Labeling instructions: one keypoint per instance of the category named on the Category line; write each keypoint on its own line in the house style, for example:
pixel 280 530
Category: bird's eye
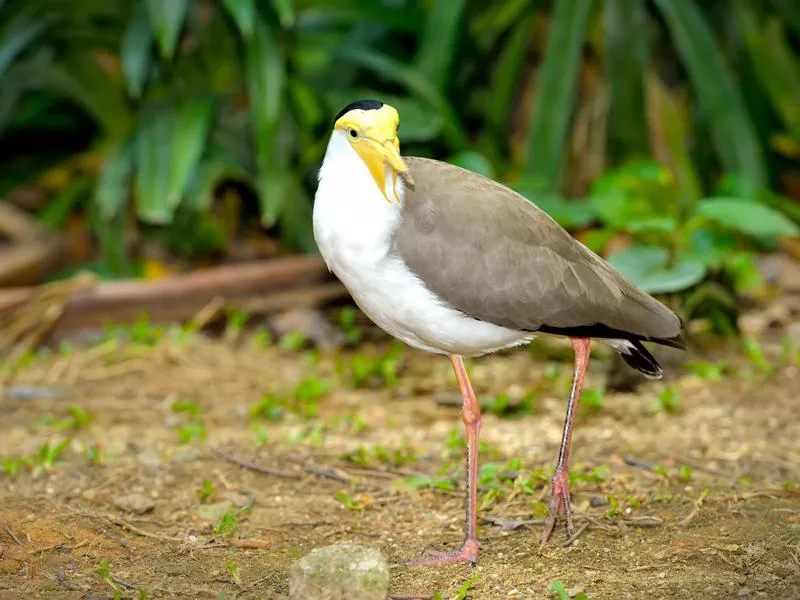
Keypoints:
pixel 353 133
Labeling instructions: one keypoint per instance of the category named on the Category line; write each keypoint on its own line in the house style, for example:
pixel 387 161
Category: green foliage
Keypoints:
pixel 176 101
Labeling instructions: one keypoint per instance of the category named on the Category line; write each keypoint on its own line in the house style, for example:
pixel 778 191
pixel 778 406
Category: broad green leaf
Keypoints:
pixel 473 161
pixel 136 46
pixel 243 13
pixel 112 189
pixel 191 125
pixel 663 224
pixel 626 55
pixel 285 10
pixel 720 99
pixel 265 84
pixel 647 268
pixel 439 42
pixel 153 174
pixel 402 17
pixel 554 98
pixel 210 171
pixel 747 216
pixel 167 18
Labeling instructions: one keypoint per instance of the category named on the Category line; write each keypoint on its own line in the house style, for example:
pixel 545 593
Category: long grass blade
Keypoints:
pixel 136 46
pixel 439 42
pixel 167 18
pixel 153 158
pixel 626 56
pixel 265 82
pixel 285 10
pixel 774 64
pixel 731 128
pixel 555 92
pixel 790 11
pixel 191 125
pixel 112 191
pixel 243 13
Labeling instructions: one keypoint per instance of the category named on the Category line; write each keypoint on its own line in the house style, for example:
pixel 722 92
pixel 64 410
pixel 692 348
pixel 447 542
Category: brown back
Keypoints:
pixel 495 256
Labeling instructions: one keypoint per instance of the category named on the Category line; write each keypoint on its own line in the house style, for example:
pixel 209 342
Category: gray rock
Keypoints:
pixel 134 503
pixel 343 571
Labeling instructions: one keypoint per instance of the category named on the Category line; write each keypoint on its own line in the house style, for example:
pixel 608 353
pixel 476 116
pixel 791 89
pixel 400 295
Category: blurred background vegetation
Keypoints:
pixel 665 134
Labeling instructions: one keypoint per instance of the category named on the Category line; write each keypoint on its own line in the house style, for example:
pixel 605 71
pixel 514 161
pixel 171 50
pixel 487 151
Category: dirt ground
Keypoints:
pixel 702 501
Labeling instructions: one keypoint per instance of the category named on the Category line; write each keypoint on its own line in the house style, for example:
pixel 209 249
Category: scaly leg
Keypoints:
pixel 472 421
pixel 560 497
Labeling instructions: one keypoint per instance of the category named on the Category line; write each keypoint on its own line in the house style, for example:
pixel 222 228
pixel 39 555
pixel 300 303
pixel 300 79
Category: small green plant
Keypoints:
pixel 351 503
pixel 227 525
pixel 193 430
pixel 754 351
pixel 269 407
pixel 314 435
pixel 294 340
pixel 260 434
pixel 104 571
pixel 685 473
pixel 143 593
pixel 94 453
pixel 503 405
pixel 462 592
pixel 206 491
pixel 707 370
pixel 347 323
pixel 262 338
pixel 362 371
pixel 594 399
pixel 233 570
pixel 669 401
pixel 432 482
pixel 614 508
pixel 236 322
pixel 561 593
pixel 77 418
pixel 187 407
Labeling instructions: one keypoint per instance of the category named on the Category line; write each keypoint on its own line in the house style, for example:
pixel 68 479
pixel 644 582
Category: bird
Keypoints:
pixel 457 264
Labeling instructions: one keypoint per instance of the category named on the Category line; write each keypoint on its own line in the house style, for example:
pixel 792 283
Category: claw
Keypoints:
pixel 559 501
pixel 467 554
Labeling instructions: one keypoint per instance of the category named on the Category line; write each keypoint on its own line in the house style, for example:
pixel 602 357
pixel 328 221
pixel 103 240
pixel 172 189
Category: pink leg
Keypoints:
pixel 472 421
pixel 560 497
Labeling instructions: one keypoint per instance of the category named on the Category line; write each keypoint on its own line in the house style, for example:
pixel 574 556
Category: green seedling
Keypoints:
pixel 363 371
pixel 193 430
pixel 351 503
pixel 47 456
pixel 269 407
pixel 503 405
pixel 561 592
pixel 315 436
pixel 351 423
pixel 260 434
pixel 594 399
pixel 614 508
pixel 77 418
pixel 233 569
pixel 707 370
pixel 237 320
pixel 754 351
pixel 206 491
pixel 294 340
pixel 261 339
pixel 186 406
pixel 685 473
pixel 669 401
pixel 94 453
pixel 435 482
pixel 104 571
pixel 462 592
pixel 143 593
pixel 227 525
pixel 347 323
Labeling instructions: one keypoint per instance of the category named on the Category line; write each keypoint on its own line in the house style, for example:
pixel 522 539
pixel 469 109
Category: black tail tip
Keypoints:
pixel 639 358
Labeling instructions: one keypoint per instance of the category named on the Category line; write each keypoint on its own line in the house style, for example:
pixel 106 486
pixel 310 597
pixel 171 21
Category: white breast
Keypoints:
pixel 353 226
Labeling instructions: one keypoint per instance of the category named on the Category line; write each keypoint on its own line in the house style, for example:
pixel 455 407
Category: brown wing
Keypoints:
pixel 495 256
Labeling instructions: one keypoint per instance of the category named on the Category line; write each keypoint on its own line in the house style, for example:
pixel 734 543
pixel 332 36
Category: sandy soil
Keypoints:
pixel 700 503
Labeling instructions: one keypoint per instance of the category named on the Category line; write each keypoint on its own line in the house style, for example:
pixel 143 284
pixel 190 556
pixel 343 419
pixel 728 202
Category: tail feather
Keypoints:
pixel 638 357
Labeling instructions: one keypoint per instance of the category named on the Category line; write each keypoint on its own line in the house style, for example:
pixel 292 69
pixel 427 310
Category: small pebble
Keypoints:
pixel 344 571
pixel 134 503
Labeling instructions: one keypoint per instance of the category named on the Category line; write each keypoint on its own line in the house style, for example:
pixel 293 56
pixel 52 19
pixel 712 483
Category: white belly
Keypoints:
pixel 353 226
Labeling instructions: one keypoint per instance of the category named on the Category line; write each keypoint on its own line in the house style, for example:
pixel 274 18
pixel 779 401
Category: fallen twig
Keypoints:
pixel 574 537
pixel 12 534
pixel 253 466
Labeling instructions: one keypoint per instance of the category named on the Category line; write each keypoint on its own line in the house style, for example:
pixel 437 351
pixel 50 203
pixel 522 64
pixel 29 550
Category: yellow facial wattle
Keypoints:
pixel 373 135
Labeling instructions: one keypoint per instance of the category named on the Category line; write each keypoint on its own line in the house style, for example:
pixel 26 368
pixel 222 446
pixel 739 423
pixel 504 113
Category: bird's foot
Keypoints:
pixel 468 554
pixel 559 501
